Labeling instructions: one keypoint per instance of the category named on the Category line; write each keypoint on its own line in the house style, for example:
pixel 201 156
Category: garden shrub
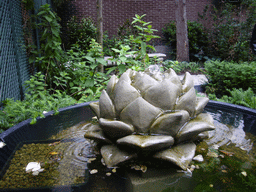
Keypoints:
pixel 198 41
pixel 224 76
pixel 80 32
pixel 229 34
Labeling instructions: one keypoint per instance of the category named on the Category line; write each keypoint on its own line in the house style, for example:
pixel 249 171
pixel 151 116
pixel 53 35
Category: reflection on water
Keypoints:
pixel 229 129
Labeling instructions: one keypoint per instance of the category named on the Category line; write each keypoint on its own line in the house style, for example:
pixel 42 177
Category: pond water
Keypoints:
pixel 70 160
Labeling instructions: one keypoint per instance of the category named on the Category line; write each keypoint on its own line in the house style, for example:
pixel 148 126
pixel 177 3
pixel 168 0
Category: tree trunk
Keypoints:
pixel 100 29
pixel 181 31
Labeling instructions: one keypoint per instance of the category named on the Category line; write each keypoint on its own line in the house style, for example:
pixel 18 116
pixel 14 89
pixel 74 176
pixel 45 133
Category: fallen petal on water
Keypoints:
pixel 198 158
pixel 90 160
pixel 215 146
pixel 93 171
pixel 244 173
pixel 212 154
pixel 2 144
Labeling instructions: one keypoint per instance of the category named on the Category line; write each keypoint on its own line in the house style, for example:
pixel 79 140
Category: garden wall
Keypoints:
pixel 116 12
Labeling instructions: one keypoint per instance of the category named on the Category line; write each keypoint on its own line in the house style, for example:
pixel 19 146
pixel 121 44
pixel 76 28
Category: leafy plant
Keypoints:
pixel 182 67
pixel 48 56
pixel 238 97
pixel 123 59
pixel 80 71
pixel 145 35
pixel 37 101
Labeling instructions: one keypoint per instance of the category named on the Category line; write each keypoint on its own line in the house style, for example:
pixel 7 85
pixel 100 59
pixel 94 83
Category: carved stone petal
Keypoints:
pixel 188 82
pixel 181 155
pixel 94 132
pixel 115 129
pixel 112 155
pixel 95 108
pixel 125 77
pixel 143 82
pixel 203 122
pixel 202 136
pixel 146 142
pixel 187 102
pixel 201 102
pixel 111 86
pixel 141 114
pixel 173 77
pixel 170 124
pixel 124 95
pixel 107 109
pixel 163 95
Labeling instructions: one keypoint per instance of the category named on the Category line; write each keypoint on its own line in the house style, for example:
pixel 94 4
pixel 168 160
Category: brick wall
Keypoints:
pixel 115 12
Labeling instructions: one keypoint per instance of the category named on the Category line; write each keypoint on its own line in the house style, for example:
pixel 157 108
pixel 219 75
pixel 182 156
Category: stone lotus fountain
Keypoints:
pixel 150 113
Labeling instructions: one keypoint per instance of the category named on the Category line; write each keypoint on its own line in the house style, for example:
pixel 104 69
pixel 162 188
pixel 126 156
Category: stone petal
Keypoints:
pixel 107 109
pixel 112 155
pixel 95 108
pixel 146 142
pixel 202 123
pixel 124 95
pixel 143 82
pixel 111 86
pixel 188 82
pixel 170 124
pixel 181 155
pixel 115 129
pixel 125 77
pixel 202 136
pixel 201 102
pixel 163 95
pixel 141 114
pixel 94 132
pixel 187 102
pixel 173 77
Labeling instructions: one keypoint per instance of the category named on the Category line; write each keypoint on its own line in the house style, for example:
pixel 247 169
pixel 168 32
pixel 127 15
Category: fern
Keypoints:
pixel 238 97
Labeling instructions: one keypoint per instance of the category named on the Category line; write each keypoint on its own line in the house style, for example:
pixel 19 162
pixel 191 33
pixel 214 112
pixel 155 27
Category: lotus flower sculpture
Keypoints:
pixel 150 112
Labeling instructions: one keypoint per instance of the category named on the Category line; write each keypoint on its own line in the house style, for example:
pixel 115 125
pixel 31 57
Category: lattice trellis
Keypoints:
pixel 13 61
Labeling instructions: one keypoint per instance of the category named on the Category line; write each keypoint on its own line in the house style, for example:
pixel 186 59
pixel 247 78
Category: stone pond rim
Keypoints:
pixel 72 115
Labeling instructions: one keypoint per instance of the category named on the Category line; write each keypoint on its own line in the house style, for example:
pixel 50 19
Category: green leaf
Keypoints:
pixel 111 69
pixel 41 12
pixel 101 61
pixel 55 31
pixel 48 18
pixel 33 121
pixel 121 68
pixel 143 48
pixel 89 82
pixel 91 59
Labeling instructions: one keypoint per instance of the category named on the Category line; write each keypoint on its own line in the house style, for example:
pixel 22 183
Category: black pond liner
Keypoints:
pixel 24 132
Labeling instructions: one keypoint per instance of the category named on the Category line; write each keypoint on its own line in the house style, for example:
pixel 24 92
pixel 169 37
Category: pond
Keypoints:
pixel 71 162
